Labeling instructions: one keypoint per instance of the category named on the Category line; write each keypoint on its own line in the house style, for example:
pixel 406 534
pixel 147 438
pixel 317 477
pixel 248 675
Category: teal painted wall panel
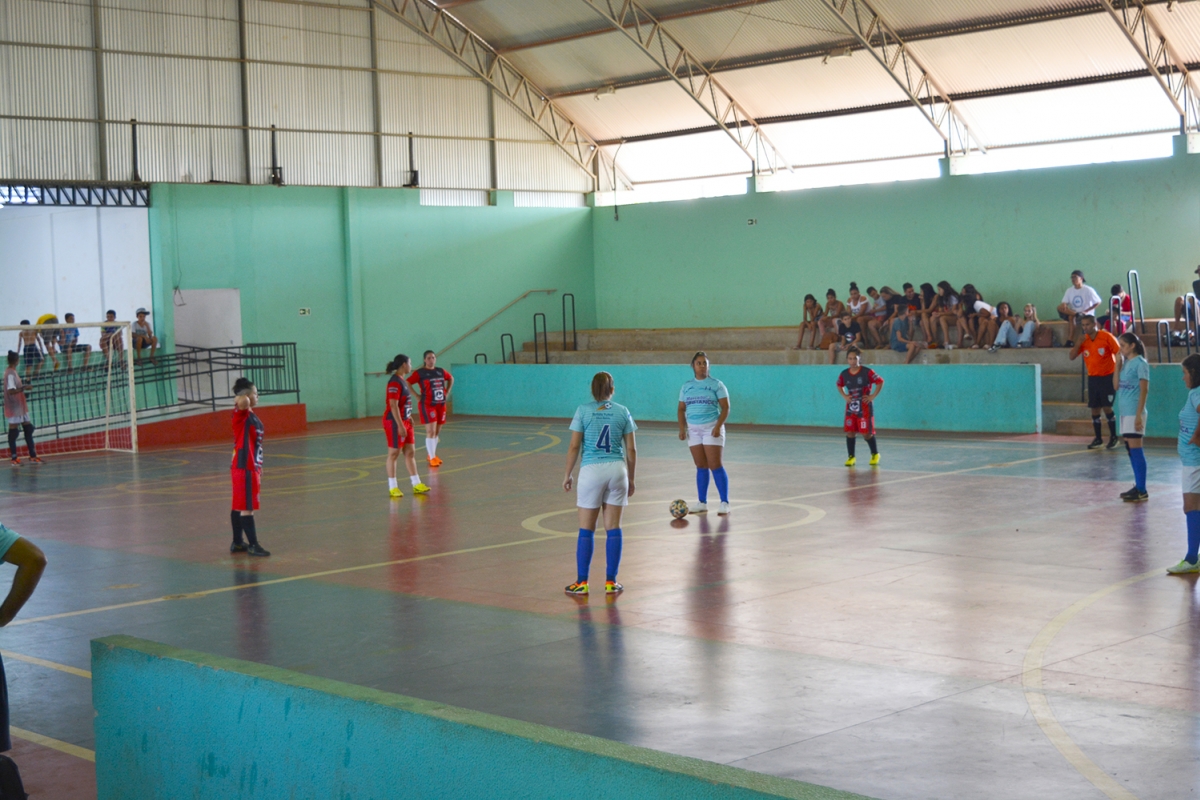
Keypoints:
pixel 948 397
pixel 1167 396
pixel 1015 235
pixel 381 273
pixel 173 723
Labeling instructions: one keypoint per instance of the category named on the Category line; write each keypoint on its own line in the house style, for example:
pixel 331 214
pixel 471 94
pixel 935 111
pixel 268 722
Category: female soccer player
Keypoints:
pixel 703 409
pixel 16 411
pixel 1132 384
pixel 397 426
pixel 246 469
pixel 433 385
pixel 859 386
pixel 603 430
pixel 1189 453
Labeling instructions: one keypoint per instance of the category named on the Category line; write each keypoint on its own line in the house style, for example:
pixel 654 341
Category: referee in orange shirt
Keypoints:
pixel 1099 349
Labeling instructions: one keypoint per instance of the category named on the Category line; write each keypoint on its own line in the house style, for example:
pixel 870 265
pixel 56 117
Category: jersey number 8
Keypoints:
pixel 604 440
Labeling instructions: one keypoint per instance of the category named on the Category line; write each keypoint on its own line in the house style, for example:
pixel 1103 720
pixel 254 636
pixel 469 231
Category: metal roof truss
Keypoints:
pixel 81 194
pixel 686 70
pixel 1161 58
pixel 918 83
pixel 470 50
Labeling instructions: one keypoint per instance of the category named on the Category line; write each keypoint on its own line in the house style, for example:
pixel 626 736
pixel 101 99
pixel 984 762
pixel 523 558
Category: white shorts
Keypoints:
pixel 606 483
pixel 1191 480
pixel 1128 427
pixel 702 434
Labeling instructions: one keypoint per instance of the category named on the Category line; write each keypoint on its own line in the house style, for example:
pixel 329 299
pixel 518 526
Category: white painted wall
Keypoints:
pixel 73 260
pixel 208 317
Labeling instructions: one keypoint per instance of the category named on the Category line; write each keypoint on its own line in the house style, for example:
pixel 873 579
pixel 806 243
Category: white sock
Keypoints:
pixel 431 445
pixel 391 483
pixel 415 479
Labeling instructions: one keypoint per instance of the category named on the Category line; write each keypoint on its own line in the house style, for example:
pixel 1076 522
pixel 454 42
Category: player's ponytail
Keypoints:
pixel 1132 338
pixel 396 362
pixel 602 386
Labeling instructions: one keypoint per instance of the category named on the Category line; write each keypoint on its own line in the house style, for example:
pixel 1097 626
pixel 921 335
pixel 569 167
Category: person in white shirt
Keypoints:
pixel 1079 301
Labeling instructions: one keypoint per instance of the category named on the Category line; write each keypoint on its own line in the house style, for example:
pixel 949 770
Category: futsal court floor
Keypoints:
pixel 976 618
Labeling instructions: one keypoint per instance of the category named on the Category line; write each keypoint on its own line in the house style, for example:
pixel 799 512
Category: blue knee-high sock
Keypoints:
pixel 722 481
pixel 583 554
pixel 612 550
pixel 1137 457
pixel 1193 525
pixel 702 485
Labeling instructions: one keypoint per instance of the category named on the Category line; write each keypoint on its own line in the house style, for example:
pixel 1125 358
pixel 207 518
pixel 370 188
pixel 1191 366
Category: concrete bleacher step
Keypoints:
pixel 1059 387
pixel 1056 415
pixel 1074 427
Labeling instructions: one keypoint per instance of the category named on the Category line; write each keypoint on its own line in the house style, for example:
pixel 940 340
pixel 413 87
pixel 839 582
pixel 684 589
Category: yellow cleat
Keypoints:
pixel 420 488
pixel 875 460
pixel 395 493
pixel 850 462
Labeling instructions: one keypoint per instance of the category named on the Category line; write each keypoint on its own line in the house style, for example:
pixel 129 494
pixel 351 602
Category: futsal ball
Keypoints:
pixel 679 509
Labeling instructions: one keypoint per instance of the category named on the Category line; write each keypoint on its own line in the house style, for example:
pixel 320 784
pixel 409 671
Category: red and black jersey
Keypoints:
pixel 247 440
pixel 398 391
pixel 435 383
pixel 858 386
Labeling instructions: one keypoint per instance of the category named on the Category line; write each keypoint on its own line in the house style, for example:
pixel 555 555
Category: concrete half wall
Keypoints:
pixel 995 398
pixel 174 723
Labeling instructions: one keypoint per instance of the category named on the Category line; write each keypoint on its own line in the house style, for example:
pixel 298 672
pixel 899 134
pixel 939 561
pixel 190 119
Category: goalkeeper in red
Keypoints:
pixel 433 385
pixel 246 470
pixel 859 386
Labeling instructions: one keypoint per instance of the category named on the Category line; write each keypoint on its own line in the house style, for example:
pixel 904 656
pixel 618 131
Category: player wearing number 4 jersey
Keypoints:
pixel 433 385
pixel 859 386
pixel 603 432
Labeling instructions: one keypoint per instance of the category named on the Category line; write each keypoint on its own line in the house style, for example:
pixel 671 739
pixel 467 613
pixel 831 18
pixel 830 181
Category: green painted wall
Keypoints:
pixel 1015 235
pixel 381 273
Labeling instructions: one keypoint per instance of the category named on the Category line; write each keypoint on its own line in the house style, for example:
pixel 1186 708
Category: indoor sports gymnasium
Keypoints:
pixel 698 399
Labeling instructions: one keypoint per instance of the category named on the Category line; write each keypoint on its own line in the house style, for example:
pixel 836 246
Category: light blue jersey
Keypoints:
pixel 1189 453
pixel 700 398
pixel 603 425
pixel 7 539
pixel 1129 391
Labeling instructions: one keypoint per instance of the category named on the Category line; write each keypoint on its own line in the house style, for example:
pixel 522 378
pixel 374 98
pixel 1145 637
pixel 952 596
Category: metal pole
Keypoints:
pixel 137 178
pixel 276 171
pixel 133 436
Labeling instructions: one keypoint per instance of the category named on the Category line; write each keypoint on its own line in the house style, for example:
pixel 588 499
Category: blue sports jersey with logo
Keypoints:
pixel 1189 453
pixel 1136 370
pixel 700 400
pixel 603 425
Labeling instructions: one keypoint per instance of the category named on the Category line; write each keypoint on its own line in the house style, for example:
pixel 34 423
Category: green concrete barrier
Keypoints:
pixel 1167 395
pixel 174 723
pixel 993 398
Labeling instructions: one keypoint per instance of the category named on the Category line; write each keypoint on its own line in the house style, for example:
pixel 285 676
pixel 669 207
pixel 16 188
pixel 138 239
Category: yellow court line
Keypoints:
pixel 41 662
pixel 54 744
pixel 1039 704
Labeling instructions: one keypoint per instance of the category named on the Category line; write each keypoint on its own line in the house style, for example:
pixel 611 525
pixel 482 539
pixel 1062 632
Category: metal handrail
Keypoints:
pixel 512 348
pixel 447 348
pixel 1163 331
pixel 545 339
pixel 477 355
pixel 1114 315
pixel 1134 282
pixel 574 334
pixel 1082 381
pixel 1190 321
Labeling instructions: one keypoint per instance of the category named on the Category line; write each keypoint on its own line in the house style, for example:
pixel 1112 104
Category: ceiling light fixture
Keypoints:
pixel 837 52
pixel 605 91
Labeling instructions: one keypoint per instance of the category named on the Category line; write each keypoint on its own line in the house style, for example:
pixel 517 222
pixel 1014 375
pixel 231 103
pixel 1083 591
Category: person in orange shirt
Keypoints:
pixel 1099 349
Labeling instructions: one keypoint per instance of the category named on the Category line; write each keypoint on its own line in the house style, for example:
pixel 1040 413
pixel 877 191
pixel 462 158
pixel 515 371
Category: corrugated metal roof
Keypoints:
pixel 1181 24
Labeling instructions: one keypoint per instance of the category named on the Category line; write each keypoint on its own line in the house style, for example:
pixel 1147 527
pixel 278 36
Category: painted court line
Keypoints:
pixel 54 744
pixel 41 662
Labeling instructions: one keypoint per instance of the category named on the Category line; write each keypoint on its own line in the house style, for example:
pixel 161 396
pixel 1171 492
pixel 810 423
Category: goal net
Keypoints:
pixel 79 384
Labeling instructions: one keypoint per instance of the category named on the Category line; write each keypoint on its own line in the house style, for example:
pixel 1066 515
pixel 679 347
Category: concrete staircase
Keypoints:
pixel 1063 410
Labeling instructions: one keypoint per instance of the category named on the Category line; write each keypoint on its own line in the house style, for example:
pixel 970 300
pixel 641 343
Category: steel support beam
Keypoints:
pixel 1161 58
pixel 918 83
pixel 33 193
pixel 469 49
pixel 644 30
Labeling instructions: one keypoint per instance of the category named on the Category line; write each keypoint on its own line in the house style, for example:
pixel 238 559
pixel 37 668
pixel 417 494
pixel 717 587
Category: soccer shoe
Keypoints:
pixel 1097 442
pixel 238 547
pixel 15 461
pixel 851 461
pixel 612 587
pixel 723 509
pixel 420 488
pixel 874 462
pixel 1130 495
pixel 395 492
pixel 699 508
pixel 35 460
pixel 579 587
pixel 435 462
pixel 1183 568
pixel 257 550
pixel 1139 497
pixel 1113 441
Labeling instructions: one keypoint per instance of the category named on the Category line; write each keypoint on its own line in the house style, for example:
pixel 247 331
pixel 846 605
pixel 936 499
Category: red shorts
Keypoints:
pixel 432 414
pixel 246 483
pixel 398 434
pixel 863 422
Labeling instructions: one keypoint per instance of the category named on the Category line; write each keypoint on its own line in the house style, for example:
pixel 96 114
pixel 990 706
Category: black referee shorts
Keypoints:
pixel 1100 391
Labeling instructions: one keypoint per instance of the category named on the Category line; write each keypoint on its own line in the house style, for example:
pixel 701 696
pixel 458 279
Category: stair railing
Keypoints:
pixel 1163 333
pixel 574 334
pixel 1190 321
pixel 1135 294
pixel 545 341
pixel 445 349
pixel 512 348
pixel 477 355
